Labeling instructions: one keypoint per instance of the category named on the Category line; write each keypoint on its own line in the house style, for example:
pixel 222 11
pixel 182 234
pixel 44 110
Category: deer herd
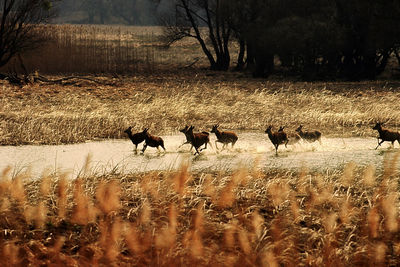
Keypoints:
pixel 280 137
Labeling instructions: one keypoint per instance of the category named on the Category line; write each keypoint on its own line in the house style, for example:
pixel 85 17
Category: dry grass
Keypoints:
pixel 107 49
pixel 55 114
pixel 247 218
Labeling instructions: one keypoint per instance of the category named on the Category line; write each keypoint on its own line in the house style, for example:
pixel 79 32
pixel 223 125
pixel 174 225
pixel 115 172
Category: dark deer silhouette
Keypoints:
pixel 136 138
pixel 386 135
pixel 224 137
pixel 187 135
pixel 309 136
pixel 277 138
pixel 185 132
pixel 198 139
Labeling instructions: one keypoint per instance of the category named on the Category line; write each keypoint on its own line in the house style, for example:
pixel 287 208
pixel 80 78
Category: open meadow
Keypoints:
pixel 246 215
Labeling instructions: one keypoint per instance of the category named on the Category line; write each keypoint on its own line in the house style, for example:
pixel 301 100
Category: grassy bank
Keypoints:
pixel 55 114
pixel 244 218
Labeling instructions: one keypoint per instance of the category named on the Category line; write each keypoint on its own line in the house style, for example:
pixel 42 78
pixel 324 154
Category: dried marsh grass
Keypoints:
pixel 89 49
pixel 54 114
pixel 339 218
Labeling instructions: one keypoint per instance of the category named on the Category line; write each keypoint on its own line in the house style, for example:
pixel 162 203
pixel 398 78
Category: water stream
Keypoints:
pixel 251 149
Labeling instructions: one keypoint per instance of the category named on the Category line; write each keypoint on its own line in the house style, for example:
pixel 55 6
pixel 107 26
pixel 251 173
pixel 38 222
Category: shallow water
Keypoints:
pixel 252 149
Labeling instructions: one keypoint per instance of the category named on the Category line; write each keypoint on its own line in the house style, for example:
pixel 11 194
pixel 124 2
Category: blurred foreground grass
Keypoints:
pixel 179 218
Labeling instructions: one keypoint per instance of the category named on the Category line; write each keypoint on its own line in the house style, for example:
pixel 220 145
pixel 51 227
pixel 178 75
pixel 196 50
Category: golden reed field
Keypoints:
pixel 245 217
pixel 164 102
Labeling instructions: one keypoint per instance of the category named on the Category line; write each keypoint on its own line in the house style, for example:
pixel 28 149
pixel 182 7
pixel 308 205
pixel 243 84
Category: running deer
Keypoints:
pixel 136 138
pixel 293 137
pixel 198 139
pixel 152 141
pixel 186 133
pixel 386 135
pixel 224 137
pixel 311 136
pixel 277 138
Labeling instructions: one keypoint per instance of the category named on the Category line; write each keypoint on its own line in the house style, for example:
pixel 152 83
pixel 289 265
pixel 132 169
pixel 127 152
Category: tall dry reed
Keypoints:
pixel 99 49
pixel 56 114
pixel 343 217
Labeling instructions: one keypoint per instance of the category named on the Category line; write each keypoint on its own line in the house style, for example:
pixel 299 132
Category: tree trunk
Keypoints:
pixel 198 35
pixel 250 60
pixel 240 61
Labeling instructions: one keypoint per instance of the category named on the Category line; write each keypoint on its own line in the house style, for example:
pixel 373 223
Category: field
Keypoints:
pixel 55 114
pixel 245 217
pixel 110 49
pixel 248 217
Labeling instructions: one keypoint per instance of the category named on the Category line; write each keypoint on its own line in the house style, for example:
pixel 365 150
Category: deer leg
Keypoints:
pixel 197 151
pixel 205 146
pixel 233 143
pixel 144 147
pixel 216 144
pixel 379 143
pixel 135 150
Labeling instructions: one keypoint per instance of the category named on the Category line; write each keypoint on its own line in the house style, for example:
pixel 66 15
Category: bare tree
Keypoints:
pixel 191 16
pixel 19 26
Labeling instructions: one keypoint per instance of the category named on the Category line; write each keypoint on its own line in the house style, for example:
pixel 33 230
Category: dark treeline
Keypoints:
pixel 351 39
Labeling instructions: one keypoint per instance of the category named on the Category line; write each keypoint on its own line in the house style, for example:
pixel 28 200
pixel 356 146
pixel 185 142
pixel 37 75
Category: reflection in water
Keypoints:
pixel 250 150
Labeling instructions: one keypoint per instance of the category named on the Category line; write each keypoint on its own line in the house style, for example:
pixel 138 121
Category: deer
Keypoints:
pixel 386 135
pixel 152 141
pixel 277 138
pixel 198 139
pixel 224 137
pixel 136 138
pixel 293 137
pixel 185 132
pixel 311 136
